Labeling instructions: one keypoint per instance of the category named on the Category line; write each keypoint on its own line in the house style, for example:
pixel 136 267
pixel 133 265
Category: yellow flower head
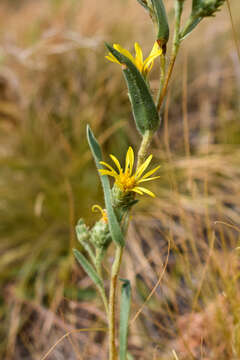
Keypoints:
pixel 144 66
pixel 126 180
pixel 96 208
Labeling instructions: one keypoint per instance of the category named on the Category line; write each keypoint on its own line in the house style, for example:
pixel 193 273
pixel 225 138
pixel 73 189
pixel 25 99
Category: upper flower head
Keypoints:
pixel 126 180
pixel 144 66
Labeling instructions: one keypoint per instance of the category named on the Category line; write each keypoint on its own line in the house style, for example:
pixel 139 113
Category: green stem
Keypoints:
pixel 175 48
pixel 98 264
pixel 112 302
pixel 142 152
pixel 98 261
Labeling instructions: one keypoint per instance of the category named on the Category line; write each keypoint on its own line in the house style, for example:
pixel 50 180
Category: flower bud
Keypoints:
pixel 100 235
pixel 205 8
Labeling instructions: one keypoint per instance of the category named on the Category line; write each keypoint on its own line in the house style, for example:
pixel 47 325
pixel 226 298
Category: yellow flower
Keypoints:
pixel 144 66
pixel 96 208
pixel 126 180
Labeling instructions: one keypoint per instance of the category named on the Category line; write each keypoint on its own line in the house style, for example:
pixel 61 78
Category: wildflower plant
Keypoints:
pixel 129 179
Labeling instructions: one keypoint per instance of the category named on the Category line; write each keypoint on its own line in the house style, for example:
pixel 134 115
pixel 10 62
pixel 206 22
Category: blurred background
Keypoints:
pixel 54 80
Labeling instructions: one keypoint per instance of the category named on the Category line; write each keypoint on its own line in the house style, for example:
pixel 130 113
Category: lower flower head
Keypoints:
pixel 125 179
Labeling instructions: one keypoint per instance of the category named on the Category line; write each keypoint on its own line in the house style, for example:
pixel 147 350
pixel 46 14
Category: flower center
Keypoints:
pixel 126 182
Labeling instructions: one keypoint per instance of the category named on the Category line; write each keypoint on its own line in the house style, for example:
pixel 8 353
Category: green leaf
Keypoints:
pixel 124 318
pixel 88 268
pixel 162 22
pixel 144 110
pixel 114 227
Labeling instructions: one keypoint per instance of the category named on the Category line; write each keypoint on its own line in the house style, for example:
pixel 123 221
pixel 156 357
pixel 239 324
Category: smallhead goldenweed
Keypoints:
pixel 119 198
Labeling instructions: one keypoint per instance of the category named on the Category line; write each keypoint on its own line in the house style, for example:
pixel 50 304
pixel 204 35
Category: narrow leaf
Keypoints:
pixel 114 226
pixel 88 268
pixel 190 27
pixel 144 110
pixel 124 318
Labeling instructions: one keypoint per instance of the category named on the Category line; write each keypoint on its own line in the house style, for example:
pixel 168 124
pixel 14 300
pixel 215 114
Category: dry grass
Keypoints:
pixel 53 80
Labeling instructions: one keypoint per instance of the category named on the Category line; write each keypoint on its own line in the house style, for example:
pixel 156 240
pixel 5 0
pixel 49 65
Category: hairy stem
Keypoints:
pixel 112 303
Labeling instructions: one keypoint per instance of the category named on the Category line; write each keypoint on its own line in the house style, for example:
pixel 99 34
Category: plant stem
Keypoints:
pixel 98 261
pixel 146 140
pixel 98 264
pixel 104 299
pixel 112 302
pixel 162 75
pixel 175 48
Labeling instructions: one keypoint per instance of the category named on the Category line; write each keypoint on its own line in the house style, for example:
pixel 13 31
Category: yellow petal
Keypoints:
pixel 111 58
pixel 107 165
pixel 137 191
pixel 96 208
pixel 129 161
pixel 124 52
pixel 103 212
pixel 148 179
pixel 115 160
pixel 109 173
pixel 143 167
pixel 149 173
pixel 138 57
pixel 148 63
pixel 138 51
pixel 144 190
pixel 155 49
